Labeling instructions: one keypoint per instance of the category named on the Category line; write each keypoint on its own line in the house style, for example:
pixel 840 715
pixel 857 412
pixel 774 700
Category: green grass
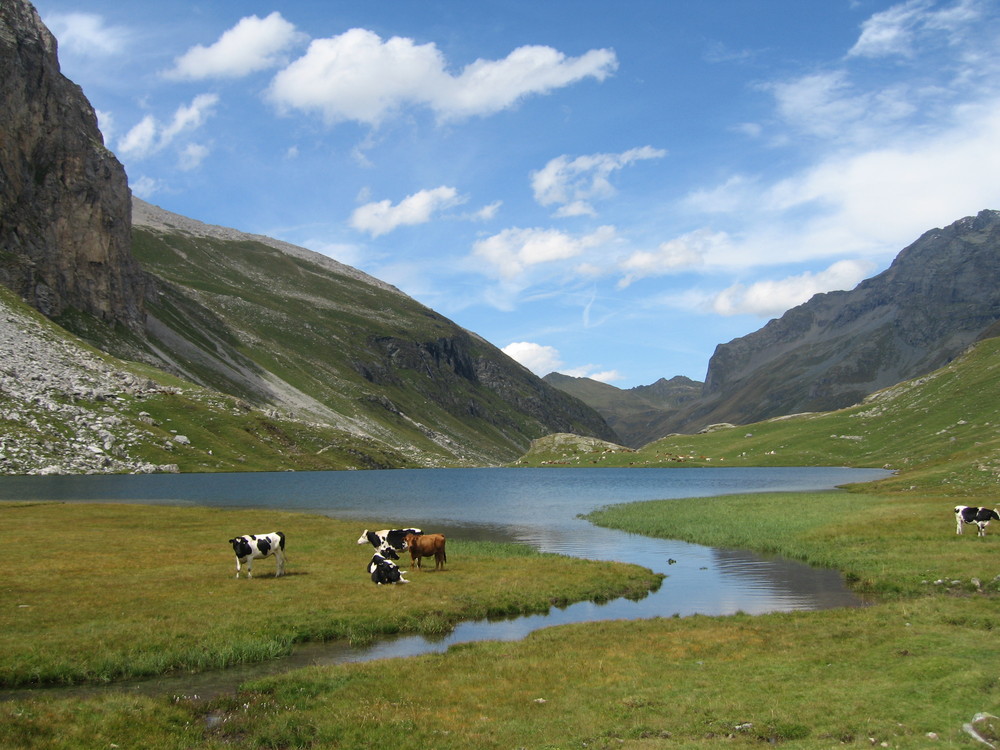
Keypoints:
pixel 155 592
pixel 921 661
pixel 889 545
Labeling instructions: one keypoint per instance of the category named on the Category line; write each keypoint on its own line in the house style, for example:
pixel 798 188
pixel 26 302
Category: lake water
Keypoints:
pixel 539 507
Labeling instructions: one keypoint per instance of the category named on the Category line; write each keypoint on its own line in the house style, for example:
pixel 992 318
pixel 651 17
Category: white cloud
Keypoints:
pixel 513 251
pixel 192 155
pixel 358 76
pixel 487 212
pixel 898 30
pixel 540 359
pixel 770 298
pixel 573 183
pixel 86 34
pixel 685 252
pixel 252 45
pixel 145 187
pixel 148 136
pixel 382 217
pixel 140 141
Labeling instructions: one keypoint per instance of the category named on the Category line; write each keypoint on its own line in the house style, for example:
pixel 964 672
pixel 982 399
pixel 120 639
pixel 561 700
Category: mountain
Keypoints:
pixel 306 344
pixel 637 414
pixel 941 294
pixel 287 328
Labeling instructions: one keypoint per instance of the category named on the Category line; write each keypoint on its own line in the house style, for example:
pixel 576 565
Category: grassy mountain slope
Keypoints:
pixel 296 334
pixel 66 407
pixel 941 432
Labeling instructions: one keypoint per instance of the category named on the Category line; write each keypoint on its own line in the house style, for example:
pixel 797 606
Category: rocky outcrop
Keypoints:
pixel 64 198
pixel 941 294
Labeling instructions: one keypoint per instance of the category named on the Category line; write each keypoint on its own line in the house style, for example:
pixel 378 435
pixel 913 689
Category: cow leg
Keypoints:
pixel 279 556
pixel 958 530
pixel 237 567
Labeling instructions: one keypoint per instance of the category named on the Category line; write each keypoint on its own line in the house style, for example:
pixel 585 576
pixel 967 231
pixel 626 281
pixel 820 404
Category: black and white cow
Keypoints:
pixel 250 547
pixel 394 539
pixel 383 570
pixel 981 517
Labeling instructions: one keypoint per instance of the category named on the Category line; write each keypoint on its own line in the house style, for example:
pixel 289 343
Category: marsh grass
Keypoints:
pixel 108 592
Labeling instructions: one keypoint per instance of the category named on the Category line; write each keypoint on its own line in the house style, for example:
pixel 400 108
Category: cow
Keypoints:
pixel 383 570
pixel 981 517
pixel 249 547
pixel 427 545
pixel 394 539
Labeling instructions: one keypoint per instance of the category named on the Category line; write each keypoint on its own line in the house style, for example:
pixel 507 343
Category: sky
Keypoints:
pixel 606 190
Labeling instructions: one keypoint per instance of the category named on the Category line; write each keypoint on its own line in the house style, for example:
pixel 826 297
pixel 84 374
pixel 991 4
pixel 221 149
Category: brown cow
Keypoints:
pixel 427 545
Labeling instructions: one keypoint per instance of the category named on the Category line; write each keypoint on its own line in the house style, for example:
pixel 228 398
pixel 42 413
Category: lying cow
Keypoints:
pixel 387 539
pixel 385 571
pixel 250 547
pixel 971 514
pixel 427 545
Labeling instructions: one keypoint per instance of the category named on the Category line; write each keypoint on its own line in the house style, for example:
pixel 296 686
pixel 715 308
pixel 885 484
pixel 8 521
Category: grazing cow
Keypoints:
pixel 385 571
pixel 387 539
pixel 981 517
pixel 249 547
pixel 427 545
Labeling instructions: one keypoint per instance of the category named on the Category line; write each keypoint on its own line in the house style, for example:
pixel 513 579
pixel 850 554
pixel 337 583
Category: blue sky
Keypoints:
pixel 604 190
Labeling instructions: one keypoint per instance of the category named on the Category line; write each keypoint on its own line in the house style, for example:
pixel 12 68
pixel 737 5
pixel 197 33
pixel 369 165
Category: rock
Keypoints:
pixel 65 225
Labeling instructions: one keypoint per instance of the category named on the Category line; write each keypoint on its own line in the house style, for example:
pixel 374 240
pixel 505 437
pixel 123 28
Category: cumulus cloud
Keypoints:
pixel 513 251
pixel 149 136
pixel 540 359
pixel 770 298
pixel 573 184
pixel 86 34
pixel 358 76
pixel 382 217
pixel 252 45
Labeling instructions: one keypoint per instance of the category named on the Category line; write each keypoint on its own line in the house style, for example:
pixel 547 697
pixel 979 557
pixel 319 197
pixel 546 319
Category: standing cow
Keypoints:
pixel 971 514
pixel 427 545
pixel 250 547
pixel 394 539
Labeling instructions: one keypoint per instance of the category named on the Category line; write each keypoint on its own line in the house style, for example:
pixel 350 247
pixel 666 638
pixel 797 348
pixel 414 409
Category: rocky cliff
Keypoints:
pixel 64 198
pixel 940 294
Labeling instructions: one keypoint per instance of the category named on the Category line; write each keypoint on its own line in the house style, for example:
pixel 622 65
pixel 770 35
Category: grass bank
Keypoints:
pixel 102 592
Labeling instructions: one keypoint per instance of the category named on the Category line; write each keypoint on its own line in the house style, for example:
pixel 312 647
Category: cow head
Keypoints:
pixel 241 546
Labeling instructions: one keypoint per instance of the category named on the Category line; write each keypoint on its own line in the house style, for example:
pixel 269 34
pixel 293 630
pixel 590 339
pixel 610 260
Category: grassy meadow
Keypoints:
pixel 153 590
pixel 906 672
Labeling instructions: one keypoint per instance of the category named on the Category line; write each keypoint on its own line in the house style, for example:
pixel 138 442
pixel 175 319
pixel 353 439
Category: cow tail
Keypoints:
pixel 281 543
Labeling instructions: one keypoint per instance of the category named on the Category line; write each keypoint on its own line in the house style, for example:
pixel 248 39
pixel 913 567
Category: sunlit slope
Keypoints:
pixel 940 431
pixel 281 330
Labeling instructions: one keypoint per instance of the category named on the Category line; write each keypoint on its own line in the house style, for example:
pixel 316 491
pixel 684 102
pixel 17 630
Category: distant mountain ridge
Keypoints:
pixel 636 414
pixel 940 294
